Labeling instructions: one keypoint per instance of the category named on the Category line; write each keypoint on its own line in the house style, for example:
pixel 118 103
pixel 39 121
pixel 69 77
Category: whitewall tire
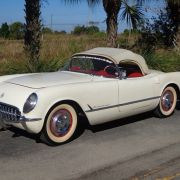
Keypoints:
pixel 167 104
pixel 60 124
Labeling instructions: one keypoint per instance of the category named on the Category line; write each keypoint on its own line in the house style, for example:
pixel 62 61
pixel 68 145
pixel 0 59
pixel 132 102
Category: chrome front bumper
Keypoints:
pixel 12 114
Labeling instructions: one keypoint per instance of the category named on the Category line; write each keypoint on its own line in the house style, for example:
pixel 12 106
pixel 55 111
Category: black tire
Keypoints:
pixel 60 125
pixel 167 104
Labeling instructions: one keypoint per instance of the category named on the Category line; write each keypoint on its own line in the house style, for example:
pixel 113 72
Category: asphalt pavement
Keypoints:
pixel 139 147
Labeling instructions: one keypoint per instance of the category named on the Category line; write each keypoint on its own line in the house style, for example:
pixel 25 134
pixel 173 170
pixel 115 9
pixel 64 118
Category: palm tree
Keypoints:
pixel 112 9
pixel 32 41
pixel 132 14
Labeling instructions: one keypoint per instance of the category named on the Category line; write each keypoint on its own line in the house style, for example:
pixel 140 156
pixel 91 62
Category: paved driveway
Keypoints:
pixel 125 148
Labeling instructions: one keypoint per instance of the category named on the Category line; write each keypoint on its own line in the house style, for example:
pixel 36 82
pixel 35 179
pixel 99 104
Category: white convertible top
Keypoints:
pixel 118 55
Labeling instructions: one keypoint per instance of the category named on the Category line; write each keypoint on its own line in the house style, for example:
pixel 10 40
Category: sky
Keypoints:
pixel 62 16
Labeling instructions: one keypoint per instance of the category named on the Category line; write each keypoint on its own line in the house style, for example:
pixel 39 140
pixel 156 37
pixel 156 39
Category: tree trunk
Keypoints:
pixel 112 8
pixel 112 28
pixel 32 38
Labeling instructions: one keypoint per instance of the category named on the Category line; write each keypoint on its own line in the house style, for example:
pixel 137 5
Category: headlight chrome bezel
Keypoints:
pixel 30 103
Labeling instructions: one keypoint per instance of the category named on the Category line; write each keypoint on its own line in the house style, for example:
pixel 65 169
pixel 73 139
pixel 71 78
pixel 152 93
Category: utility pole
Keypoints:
pixel 89 17
pixel 51 21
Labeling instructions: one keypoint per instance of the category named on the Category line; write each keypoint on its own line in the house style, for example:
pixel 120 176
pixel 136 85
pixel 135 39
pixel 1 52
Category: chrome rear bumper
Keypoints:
pixel 12 114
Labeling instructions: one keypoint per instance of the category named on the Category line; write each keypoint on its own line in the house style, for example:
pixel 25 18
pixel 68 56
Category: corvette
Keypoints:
pixel 101 84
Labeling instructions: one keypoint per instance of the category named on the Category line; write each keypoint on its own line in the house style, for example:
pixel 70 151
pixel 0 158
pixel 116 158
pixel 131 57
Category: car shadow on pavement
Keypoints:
pixel 94 129
pixel 125 121
pixel 178 105
pixel 121 122
pixel 19 133
pixel 85 125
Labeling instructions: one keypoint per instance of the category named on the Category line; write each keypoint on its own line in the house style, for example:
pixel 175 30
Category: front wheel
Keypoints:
pixel 167 102
pixel 60 125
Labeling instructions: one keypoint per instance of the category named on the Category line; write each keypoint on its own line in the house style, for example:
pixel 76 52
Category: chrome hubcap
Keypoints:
pixel 61 122
pixel 167 100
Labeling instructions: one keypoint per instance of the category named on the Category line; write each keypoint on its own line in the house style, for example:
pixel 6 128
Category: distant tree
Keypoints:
pixel 79 30
pixel 46 30
pixel 62 32
pixel 92 29
pixel 128 31
pixel 4 30
pixel 16 30
pixel 33 27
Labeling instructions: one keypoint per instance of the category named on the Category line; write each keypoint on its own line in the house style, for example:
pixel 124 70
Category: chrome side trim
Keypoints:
pixel 24 119
pixel 20 120
pixel 123 104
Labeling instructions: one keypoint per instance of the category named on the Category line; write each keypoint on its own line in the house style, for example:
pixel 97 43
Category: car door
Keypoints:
pixel 103 100
pixel 135 94
pixel 105 91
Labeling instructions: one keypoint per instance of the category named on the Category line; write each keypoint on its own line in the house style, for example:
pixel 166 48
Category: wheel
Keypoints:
pixel 60 125
pixel 167 102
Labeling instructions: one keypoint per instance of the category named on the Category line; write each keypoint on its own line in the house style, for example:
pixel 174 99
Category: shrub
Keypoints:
pixel 4 31
pixel 46 30
pixel 79 30
pixel 166 61
pixel 16 30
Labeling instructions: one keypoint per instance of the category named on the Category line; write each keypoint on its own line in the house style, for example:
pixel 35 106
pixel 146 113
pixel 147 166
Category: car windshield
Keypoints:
pixel 92 65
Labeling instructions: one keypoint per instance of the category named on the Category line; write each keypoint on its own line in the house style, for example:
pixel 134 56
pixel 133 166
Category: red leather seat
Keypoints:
pixel 135 74
pixel 101 73
pixel 104 73
pixel 75 68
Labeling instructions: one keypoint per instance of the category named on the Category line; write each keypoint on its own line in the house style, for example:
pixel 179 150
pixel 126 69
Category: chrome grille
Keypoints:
pixel 9 113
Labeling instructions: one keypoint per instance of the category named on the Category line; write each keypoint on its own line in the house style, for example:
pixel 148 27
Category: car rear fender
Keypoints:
pixel 170 79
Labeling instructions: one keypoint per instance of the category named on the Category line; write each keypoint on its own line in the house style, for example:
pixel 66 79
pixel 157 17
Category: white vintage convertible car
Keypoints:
pixel 102 84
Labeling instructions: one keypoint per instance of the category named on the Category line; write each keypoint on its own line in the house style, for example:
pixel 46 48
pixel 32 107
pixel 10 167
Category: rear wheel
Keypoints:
pixel 167 102
pixel 60 125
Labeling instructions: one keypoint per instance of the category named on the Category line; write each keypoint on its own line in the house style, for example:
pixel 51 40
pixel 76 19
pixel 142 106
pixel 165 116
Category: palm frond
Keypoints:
pixel 132 14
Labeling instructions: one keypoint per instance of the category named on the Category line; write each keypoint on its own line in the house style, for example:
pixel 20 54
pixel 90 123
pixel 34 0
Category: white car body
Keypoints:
pixel 101 99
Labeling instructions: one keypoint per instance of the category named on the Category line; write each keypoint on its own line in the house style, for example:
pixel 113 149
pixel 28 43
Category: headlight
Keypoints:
pixel 30 103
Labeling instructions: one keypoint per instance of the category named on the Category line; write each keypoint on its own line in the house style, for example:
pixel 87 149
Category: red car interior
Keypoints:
pixel 132 74
pixel 98 73
pixel 135 74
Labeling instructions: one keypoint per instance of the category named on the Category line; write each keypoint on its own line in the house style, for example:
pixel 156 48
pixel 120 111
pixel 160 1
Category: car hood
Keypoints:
pixel 43 80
